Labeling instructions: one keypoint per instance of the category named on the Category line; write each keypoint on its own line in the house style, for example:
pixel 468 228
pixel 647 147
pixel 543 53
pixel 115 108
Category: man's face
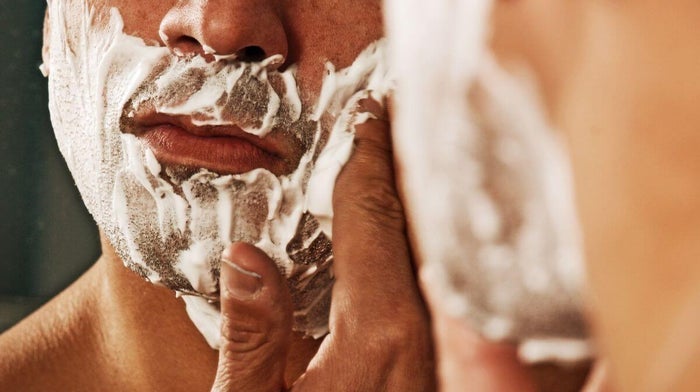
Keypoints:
pixel 307 34
pixel 192 124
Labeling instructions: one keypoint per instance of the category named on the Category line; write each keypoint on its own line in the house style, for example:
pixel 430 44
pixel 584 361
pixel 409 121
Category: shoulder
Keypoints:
pixel 51 349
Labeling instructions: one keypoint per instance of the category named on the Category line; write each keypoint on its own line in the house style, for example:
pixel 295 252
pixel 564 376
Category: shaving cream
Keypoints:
pixel 170 226
pixel 487 183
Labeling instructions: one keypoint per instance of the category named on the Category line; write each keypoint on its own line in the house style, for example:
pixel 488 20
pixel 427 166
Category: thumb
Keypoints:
pixel 256 322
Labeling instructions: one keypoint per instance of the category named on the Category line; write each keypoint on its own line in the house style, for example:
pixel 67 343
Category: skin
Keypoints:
pixel 621 82
pixel 112 331
pixel 607 69
pixel 466 361
pixel 524 33
pixel 384 312
pixel 95 337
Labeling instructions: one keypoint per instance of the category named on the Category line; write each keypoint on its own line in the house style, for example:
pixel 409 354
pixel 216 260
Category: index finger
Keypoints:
pixel 370 248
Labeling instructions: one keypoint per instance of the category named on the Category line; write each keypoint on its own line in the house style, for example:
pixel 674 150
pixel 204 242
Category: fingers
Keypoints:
pixel 369 242
pixel 380 335
pixel 256 322
pixel 369 245
pixel 466 359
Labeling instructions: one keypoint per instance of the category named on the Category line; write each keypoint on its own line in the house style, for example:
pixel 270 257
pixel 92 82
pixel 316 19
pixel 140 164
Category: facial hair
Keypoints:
pixel 171 225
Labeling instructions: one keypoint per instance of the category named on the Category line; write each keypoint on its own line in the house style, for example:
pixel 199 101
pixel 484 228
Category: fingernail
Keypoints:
pixel 241 283
pixel 372 107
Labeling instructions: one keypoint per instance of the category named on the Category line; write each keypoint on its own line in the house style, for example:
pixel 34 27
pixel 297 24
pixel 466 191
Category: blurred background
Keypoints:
pixel 47 238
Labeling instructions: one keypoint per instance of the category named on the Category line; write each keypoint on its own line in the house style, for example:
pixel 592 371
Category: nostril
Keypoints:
pixel 225 31
pixel 187 40
pixel 251 54
pixel 186 46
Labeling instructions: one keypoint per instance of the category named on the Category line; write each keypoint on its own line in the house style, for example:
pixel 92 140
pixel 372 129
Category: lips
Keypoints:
pixel 176 141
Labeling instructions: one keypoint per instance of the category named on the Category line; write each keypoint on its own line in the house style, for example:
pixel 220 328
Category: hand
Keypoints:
pixel 468 362
pixel 379 331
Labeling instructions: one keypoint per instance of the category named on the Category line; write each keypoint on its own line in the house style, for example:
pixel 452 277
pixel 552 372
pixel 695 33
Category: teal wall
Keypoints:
pixel 47 239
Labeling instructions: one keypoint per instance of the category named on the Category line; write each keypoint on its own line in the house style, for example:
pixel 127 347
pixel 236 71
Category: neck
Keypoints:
pixel 146 332
pixel 148 338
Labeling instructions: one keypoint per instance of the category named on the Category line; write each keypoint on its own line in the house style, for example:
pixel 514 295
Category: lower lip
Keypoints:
pixel 172 145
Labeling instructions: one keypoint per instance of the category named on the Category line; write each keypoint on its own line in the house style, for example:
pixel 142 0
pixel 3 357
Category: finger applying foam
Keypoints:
pixel 257 320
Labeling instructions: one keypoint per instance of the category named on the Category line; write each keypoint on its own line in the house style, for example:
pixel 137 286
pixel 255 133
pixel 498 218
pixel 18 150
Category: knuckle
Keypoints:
pixel 377 202
pixel 415 333
pixel 408 336
pixel 242 336
pixel 412 326
pixel 373 146
pixel 252 353
pixel 372 153
pixel 388 349
pixel 382 205
pixel 396 346
pixel 366 183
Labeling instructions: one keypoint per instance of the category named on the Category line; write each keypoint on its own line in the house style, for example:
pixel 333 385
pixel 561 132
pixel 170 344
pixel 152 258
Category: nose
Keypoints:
pixel 247 30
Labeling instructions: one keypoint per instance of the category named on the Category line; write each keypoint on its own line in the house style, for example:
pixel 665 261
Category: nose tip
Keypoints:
pixel 247 30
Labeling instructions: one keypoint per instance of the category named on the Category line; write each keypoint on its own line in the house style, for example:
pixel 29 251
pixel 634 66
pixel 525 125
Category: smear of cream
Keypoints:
pixel 487 182
pixel 172 228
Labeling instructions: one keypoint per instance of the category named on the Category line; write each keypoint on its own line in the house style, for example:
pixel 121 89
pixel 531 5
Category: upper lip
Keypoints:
pixel 150 119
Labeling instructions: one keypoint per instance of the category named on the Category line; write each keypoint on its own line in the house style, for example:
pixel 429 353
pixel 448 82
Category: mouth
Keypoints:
pixel 176 141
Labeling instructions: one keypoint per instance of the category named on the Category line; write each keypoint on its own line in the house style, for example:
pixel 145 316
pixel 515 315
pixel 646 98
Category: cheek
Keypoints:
pixel 335 32
pixel 141 17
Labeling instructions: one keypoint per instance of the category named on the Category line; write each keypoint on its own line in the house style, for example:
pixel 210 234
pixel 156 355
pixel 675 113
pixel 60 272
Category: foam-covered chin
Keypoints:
pixel 170 228
pixel 487 183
